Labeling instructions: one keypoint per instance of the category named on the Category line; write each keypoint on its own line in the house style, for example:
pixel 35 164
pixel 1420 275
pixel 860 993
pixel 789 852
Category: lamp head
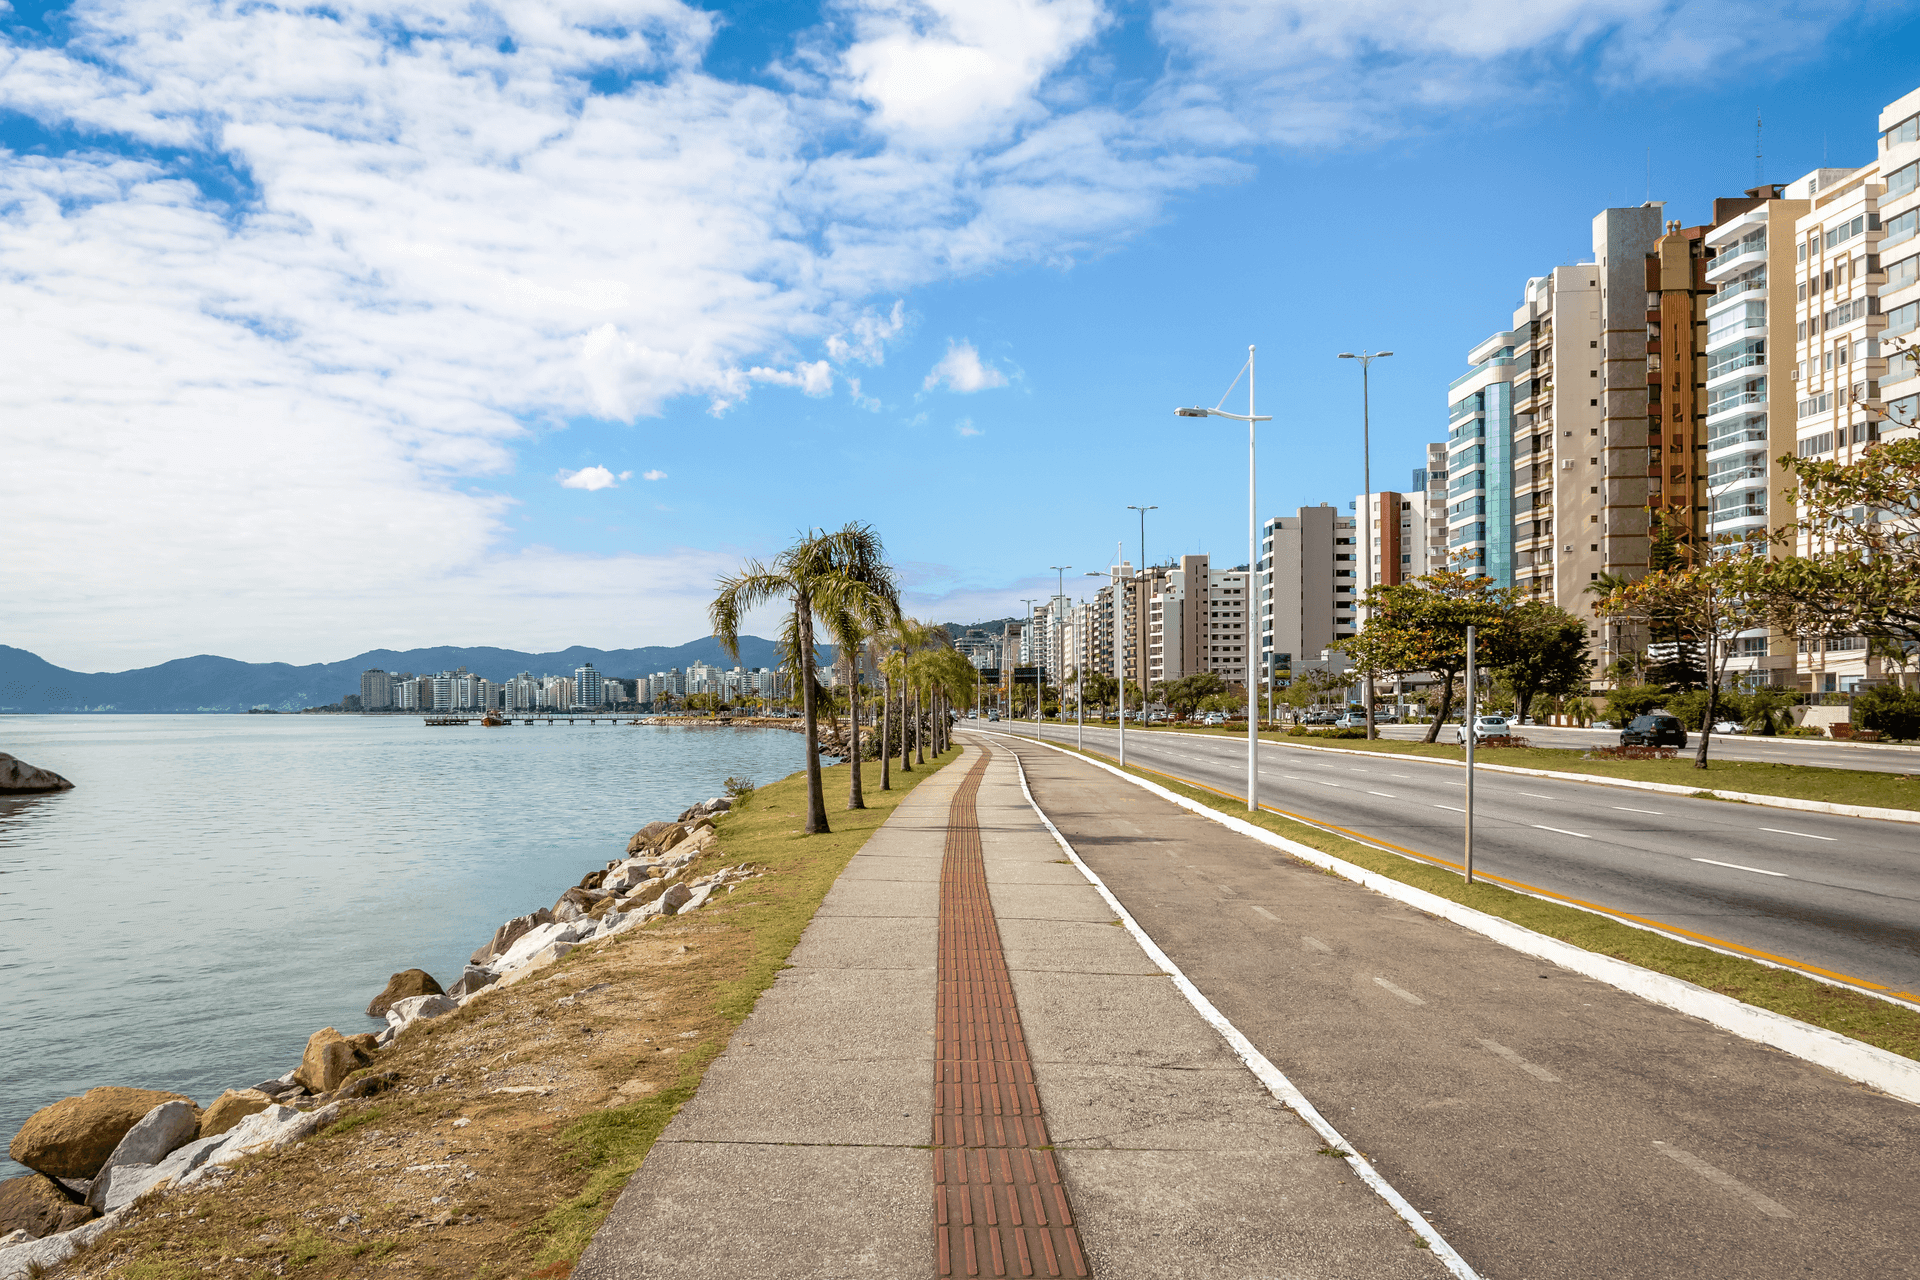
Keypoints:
pixel 1348 355
pixel 1190 413
pixel 1378 354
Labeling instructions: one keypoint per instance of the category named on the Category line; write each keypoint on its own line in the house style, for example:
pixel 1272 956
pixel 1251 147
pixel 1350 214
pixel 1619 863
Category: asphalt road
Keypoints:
pixel 1814 751
pixel 1551 1127
pixel 1840 896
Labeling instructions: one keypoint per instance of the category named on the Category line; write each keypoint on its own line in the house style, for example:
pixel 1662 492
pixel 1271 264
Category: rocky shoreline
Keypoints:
pixel 99 1156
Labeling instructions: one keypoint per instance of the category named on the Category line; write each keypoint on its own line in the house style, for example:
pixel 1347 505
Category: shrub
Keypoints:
pixel 1889 710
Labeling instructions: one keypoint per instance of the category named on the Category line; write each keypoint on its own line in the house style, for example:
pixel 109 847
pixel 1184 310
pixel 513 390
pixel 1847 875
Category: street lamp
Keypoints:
pixel 1253 559
pixel 1026 642
pixel 1057 649
pixel 1366 359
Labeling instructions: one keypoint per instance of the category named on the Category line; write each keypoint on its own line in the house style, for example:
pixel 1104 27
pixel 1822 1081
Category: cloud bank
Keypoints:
pixel 279 325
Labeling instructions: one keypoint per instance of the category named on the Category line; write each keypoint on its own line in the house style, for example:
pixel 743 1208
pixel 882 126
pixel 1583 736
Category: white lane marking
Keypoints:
pixel 1456 808
pixel 1291 777
pixel 1336 786
pixel 1228 889
pixel 1388 795
pixel 1737 867
pixel 1399 775
pixel 1283 1089
pixel 1268 914
pixel 1721 1178
pixel 1626 809
pixel 1808 834
pixel 1537 796
pixel 1408 996
pixel 1533 1069
pixel 1558 831
pixel 1312 943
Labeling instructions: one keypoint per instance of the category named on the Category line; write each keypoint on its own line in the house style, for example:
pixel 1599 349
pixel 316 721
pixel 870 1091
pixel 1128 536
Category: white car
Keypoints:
pixel 1484 727
pixel 1729 726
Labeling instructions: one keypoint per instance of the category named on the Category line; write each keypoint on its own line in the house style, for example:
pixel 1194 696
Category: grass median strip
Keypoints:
pixel 1892 1027
pixel 508 1128
pixel 1758 777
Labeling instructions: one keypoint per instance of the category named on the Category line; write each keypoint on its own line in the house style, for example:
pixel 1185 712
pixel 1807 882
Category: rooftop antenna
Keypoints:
pixel 1649 175
pixel 1759 155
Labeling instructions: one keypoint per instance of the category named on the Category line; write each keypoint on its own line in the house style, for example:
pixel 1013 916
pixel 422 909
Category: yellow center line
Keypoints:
pixel 1521 886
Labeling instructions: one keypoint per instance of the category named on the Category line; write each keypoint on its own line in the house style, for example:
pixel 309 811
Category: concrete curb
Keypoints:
pixel 1256 1062
pixel 1888 1072
pixel 1668 788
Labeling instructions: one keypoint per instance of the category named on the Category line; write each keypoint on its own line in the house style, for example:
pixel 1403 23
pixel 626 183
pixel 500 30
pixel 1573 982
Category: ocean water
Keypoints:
pixel 217 888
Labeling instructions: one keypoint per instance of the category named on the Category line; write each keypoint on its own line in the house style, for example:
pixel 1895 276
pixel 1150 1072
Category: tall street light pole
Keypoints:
pixel 1253 559
pixel 1026 641
pixel 1366 359
pixel 1140 632
pixel 1120 688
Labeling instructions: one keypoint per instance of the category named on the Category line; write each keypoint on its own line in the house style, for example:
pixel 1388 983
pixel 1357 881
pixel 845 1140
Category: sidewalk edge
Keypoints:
pixel 1256 1062
pixel 1887 1072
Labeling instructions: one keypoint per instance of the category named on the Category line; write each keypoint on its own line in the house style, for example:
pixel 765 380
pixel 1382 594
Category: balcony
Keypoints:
pixel 1474 430
pixel 1725 366
pixel 1749 250
pixel 1736 401
pixel 1752 289
pixel 1495 363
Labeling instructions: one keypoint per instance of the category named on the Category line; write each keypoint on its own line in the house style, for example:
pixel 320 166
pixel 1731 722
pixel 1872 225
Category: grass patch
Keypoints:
pixel 765 829
pixel 1850 1013
pixel 358 1120
pixel 1757 777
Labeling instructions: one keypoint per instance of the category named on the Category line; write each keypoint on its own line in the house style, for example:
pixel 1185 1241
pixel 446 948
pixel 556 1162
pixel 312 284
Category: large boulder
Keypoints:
pixel 327 1062
pixel 675 897
pixel 39 1206
pixel 643 838
pixel 474 979
pixel 418 1009
pixel 19 778
pixel 161 1131
pixel 408 982
pixel 73 1137
pixel 511 932
pixel 229 1109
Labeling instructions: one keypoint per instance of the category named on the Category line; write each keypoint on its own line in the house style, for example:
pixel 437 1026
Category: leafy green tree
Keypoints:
pixel 822 575
pixel 1548 648
pixel 1860 524
pixel 1097 688
pixel 1889 710
pixel 1422 626
pixel 1190 691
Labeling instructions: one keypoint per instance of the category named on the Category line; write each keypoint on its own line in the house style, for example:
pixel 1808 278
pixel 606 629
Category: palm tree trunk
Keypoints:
pixel 919 733
pixel 855 800
pixel 1446 705
pixel 906 728
pixel 886 731
pixel 816 800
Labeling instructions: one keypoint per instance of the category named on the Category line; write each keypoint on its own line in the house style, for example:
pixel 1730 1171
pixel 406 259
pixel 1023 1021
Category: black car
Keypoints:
pixel 1655 730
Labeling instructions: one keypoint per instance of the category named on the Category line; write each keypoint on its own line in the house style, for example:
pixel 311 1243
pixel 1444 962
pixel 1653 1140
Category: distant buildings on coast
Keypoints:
pixel 584 690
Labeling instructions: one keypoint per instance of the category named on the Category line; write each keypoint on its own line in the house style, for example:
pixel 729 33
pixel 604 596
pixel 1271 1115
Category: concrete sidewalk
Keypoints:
pixel 805 1152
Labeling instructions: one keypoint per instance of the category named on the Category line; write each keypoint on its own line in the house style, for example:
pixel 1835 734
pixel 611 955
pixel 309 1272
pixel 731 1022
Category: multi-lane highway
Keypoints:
pixel 1840 896
pixel 1725 746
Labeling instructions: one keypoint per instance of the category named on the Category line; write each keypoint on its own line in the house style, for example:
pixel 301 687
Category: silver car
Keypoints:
pixel 1484 727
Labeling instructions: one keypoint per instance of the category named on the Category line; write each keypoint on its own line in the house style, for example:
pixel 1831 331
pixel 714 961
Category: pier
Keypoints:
pixel 434 722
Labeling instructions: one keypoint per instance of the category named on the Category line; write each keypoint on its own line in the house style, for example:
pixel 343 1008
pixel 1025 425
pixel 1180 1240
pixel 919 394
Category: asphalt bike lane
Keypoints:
pixel 1547 1124
pixel 1838 897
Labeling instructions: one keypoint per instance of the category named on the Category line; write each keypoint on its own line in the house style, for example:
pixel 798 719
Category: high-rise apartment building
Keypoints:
pixel 376 690
pixel 1310 574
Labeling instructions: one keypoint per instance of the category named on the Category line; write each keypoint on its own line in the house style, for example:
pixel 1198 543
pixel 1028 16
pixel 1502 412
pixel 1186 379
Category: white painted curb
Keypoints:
pixel 1743 797
pixel 1258 1063
pixel 1888 1072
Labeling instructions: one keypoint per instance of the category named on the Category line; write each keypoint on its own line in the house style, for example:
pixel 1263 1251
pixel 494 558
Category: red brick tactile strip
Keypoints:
pixel 999 1205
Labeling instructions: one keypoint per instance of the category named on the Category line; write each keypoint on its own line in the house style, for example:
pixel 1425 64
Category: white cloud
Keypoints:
pixel 865 338
pixel 860 399
pixel 588 478
pixel 654 475
pixel 966 428
pixel 961 370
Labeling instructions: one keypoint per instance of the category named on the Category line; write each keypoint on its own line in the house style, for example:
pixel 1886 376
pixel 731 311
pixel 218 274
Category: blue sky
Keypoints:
pixel 313 310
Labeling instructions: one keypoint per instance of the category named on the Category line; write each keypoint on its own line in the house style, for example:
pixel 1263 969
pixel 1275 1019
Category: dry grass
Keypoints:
pixel 516 1121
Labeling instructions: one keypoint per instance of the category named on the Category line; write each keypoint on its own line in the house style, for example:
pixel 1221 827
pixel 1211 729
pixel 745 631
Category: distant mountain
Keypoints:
pixel 997 627
pixel 208 683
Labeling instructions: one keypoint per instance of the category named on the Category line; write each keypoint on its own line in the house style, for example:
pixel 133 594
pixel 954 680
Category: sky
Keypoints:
pixel 357 325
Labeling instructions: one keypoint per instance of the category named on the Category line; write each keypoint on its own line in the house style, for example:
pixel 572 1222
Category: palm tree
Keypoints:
pixel 866 614
pixel 904 637
pixel 826 574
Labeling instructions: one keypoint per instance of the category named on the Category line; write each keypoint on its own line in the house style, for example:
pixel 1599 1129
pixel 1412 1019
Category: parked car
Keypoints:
pixel 993 715
pixel 1484 727
pixel 1213 717
pixel 1729 726
pixel 1385 717
pixel 1655 729
pixel 1319 717
pixel 1602 724
pixel 1351 720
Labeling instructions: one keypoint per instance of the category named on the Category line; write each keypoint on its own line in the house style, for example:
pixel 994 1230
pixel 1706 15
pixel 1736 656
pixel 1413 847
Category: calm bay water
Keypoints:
pixel 217 888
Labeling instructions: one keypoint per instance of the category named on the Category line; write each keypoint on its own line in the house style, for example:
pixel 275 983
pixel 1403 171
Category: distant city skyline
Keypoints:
pixel 286 383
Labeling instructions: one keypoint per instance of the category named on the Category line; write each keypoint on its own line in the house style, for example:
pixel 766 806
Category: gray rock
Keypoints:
pixel 511 932
pixel 697 899
pixel 157 1135
pixel 476 978
pixel 405 1013
pixel 19 778
pixel 22 1260
pixel 670 902
pixel 120 1185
